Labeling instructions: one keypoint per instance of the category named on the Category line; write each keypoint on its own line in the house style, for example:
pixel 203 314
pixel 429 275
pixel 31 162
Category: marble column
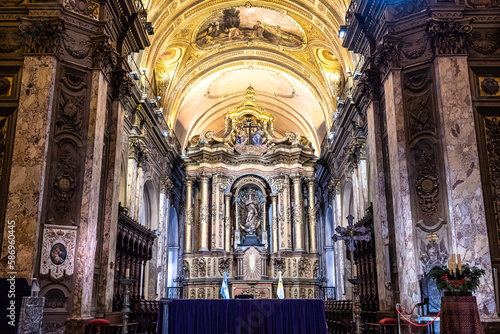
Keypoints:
pixel 378 196
pixel 139 209
pixel 311 208
pixel 163 249
pixel 189 216
pixel 403 218
pixel 464 192
pixel 274 203
pixel 219 185
pixel 227 222
pixel 339 247
pixel 30 157
pixel 106 284
pixel 265 218
pixel 204 212
pixel 131 184
pixel 91 194
pixel 298 214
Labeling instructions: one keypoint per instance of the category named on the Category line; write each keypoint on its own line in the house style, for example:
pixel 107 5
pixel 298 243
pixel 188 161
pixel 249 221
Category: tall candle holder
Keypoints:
pixel 127 281
pixel 352 233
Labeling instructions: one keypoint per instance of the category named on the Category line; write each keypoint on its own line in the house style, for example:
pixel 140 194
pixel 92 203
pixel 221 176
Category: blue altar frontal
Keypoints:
pixel 237 316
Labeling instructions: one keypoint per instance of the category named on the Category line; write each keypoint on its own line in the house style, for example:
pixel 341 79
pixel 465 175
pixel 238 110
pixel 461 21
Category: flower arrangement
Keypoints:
pixel 457 281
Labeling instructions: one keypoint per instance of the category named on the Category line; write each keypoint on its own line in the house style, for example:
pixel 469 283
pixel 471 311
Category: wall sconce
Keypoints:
pixel 134 75
pixel 342 31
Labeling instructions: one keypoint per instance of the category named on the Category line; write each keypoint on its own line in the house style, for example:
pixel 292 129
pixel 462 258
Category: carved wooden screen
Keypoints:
pixel 365 259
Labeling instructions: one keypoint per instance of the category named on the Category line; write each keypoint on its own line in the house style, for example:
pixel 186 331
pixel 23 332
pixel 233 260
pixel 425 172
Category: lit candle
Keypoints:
pixel 355 271
pixel 127 273
pixel 453 263
pixel 459 261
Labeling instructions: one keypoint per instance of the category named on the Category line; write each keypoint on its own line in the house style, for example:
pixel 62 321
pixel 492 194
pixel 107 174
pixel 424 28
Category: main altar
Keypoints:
pixel 249 209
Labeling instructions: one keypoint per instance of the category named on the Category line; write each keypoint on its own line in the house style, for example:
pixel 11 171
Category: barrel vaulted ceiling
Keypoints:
pixel 206 53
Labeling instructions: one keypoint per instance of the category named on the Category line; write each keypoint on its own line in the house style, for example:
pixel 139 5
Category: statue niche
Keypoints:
pixel 251 208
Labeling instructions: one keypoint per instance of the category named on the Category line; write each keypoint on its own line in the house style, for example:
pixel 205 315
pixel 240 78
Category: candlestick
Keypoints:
pixel 355 271
pixel 127 273
pixel 459 261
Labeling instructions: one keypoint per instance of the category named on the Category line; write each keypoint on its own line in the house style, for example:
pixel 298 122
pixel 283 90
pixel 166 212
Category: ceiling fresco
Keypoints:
pixel 255 24
pixel 204 54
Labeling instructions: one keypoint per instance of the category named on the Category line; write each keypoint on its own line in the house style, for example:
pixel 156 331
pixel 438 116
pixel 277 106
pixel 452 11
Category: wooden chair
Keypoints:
pixel 429 308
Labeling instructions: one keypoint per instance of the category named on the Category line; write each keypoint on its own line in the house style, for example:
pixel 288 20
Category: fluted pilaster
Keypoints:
pixel 313 243
pixel 204 212
pixel 188 237
pixel 227 222
pixel 298 215
pixel 274 228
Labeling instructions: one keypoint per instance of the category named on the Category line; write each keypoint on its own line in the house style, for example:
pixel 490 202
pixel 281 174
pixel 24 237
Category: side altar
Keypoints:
pixel 250 209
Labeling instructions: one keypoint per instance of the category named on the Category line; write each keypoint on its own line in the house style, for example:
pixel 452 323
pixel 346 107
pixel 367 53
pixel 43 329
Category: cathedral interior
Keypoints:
pixel 172 141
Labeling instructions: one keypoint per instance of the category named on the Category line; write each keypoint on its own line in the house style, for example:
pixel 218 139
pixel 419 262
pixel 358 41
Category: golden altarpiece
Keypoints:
pixel 250 209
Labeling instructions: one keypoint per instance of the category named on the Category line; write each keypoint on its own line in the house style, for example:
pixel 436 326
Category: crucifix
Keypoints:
pixel 432 238
pixel 250 127
pixel 352 233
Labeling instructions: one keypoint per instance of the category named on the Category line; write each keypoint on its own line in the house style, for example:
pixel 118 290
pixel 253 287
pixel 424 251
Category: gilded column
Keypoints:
pixel 227 222
pixel 313 243
pixel 188 236
pixel 204 212
pixel 298 218
pixel 274 200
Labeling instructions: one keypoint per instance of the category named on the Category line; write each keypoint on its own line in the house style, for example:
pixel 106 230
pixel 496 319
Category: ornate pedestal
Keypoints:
pixel 459 315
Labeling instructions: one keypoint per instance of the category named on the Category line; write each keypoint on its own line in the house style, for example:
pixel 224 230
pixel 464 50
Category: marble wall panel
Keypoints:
pixel 29 158
pixel 464 192
pixel 403 218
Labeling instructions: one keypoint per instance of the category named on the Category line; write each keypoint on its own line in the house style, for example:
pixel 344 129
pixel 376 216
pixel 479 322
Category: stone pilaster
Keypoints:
pixel 469 235
pixel 403 217
pixel 131 183
pixel 138 212
pixel 106 284
pixel 227 222
pixel 298 214
pixel 311 208
pixel 204 212
pixel 30 157
pixel 274 228
pixel 91 195
pixel 164 218
pixel 378 196
pixel 189 216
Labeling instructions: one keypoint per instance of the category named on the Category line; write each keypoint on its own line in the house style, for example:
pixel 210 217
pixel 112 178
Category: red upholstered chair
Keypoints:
pixel 388 325
pixel 98 323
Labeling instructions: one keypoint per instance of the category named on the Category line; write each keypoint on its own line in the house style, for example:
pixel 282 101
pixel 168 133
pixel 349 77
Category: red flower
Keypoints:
pixel 444 277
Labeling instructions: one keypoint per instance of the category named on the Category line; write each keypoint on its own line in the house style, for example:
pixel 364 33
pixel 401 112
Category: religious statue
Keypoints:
pixel 257 137
pixel 250 223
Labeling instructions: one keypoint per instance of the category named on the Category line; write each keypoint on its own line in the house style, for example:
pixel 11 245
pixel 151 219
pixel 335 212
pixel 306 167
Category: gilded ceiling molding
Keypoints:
pixel 182 17
pixel 279 110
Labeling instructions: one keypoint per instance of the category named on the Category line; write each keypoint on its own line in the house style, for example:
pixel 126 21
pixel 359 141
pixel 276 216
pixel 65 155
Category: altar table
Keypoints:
pixel 459 315
pixel 233 316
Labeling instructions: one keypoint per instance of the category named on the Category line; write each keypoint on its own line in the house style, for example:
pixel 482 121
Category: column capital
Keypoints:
pixel 205 176
pixel 274 196
pixel 228 195
pixel 190 179
pixel 311 179
pixel 448 35
pixel 296 178
pixel 166 186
